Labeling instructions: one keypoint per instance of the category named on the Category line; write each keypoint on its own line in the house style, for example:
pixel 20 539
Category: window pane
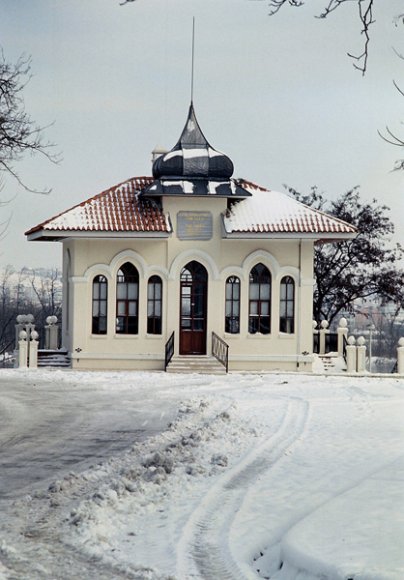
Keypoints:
pixel 132 291
pixel 121 291
pixel 228 308
pixel 103 308
pixel 132 308
pixel 264 308
pixel 121 310
pixel 236 308
pixel 253 325
pixel 254 291
pixel 265 291
pixel 103 291
pixel 132 325
pixel 283 308
pixel 253 307
pixel 228 291
pixel 283 291
pixel 290 291
pixel 157 289
pixel 264 325
pixel 186 306
pixel 158 309
pixel 96 290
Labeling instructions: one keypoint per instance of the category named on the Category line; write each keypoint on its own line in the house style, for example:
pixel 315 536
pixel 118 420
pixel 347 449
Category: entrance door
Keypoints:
pixel 193 301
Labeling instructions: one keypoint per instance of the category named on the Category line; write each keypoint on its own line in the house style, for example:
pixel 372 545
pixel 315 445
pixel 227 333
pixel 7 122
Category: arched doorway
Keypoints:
pixel 193 308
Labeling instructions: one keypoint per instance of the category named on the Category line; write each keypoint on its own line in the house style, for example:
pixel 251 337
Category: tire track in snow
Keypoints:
pixel 203 550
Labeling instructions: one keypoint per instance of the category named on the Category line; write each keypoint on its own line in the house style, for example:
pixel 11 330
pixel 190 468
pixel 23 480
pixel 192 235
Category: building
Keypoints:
pixel 194 252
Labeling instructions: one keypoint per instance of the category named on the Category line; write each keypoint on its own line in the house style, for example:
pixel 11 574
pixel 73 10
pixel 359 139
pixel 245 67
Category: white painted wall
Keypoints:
pixel 166 257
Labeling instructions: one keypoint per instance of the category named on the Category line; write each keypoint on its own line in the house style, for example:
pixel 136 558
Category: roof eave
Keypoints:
pixel 59 236
pixel 317 237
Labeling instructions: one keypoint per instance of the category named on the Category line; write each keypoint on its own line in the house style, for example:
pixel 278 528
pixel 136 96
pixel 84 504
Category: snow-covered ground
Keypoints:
pixel 158 476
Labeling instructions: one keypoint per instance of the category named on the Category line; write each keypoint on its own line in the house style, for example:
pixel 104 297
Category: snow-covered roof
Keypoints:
pixel 275 213
pixel 126 210
pixel 118 210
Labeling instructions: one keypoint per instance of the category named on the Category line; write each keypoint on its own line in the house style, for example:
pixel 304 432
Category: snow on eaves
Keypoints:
pixel 118 209
pixel 274 212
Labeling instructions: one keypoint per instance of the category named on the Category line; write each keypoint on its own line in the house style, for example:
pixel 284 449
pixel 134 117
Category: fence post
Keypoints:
pixel 22 350
pixel 342 332
pixel 33 350
pixel 400 356
pixel 323 331
pixel 361 355
pixel 51 333
pixel 351 355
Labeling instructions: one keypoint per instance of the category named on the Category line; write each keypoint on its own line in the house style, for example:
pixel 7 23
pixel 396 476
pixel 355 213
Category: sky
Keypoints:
pixel 278 94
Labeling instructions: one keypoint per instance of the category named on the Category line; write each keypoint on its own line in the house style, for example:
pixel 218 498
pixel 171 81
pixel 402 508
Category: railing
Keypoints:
pixel 344 343
pixel 395 368
pixel 220 350
pixel 169 351
pixel 331 342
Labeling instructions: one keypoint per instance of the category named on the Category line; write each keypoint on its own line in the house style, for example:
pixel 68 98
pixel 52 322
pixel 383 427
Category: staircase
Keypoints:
pixel 54 358
pixel 207 365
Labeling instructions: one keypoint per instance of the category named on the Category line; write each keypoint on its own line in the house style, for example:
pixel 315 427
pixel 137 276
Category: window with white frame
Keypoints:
pixel 232 305
pixel 99 307
pixel 154 305
pixel 287 305
pixel 127 300
pixel 259 320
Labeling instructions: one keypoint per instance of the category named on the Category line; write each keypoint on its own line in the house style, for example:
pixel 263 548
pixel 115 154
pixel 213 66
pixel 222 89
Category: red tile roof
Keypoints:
pixel 273 212
pixel 118 209
pixel 121 209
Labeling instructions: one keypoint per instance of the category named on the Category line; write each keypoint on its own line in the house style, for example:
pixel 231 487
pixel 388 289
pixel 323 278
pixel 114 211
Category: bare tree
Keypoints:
pixel 365 16
pixel 19 134
pixel 392 138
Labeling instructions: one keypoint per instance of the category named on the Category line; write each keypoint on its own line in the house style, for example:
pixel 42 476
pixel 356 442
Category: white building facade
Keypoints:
pixel 194 252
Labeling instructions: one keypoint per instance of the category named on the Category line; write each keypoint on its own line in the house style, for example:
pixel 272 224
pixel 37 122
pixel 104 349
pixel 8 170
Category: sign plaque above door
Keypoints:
pixel 194 225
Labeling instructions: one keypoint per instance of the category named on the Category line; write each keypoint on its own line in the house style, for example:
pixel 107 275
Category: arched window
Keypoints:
pixel 287 305
pixel 127 300
pixel 232 306
pixel 100 296
pixel 154 305
pixel 260 300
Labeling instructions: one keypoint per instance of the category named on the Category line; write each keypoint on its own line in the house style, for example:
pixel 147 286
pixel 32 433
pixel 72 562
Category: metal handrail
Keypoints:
pixel 169 351
pixel 220 350
pixel 344 345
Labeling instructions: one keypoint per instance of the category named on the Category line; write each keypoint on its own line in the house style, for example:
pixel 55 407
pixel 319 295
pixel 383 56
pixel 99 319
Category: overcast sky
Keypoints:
pixel 277 94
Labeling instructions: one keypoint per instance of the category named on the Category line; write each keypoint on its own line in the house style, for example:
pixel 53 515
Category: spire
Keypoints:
pixel 193 157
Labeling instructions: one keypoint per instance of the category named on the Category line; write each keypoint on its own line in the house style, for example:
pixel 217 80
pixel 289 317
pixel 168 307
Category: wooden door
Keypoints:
pixel 193 303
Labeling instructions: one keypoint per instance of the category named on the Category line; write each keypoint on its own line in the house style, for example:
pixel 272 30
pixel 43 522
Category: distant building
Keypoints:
pixel 193 251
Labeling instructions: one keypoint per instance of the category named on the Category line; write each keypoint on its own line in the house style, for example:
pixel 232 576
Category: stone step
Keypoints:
pixel 196 364
pixel 54 358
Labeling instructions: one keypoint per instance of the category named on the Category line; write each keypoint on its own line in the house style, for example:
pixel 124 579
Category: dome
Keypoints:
pixel 193 157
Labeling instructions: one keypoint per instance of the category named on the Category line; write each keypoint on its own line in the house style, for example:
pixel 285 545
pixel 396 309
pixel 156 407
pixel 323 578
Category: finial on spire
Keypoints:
pixel 192 64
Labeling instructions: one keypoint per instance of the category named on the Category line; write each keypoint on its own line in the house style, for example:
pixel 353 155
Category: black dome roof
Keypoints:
pixel 193 157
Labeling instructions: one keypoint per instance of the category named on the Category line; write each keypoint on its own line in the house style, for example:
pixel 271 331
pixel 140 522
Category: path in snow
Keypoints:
pixel 203 550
